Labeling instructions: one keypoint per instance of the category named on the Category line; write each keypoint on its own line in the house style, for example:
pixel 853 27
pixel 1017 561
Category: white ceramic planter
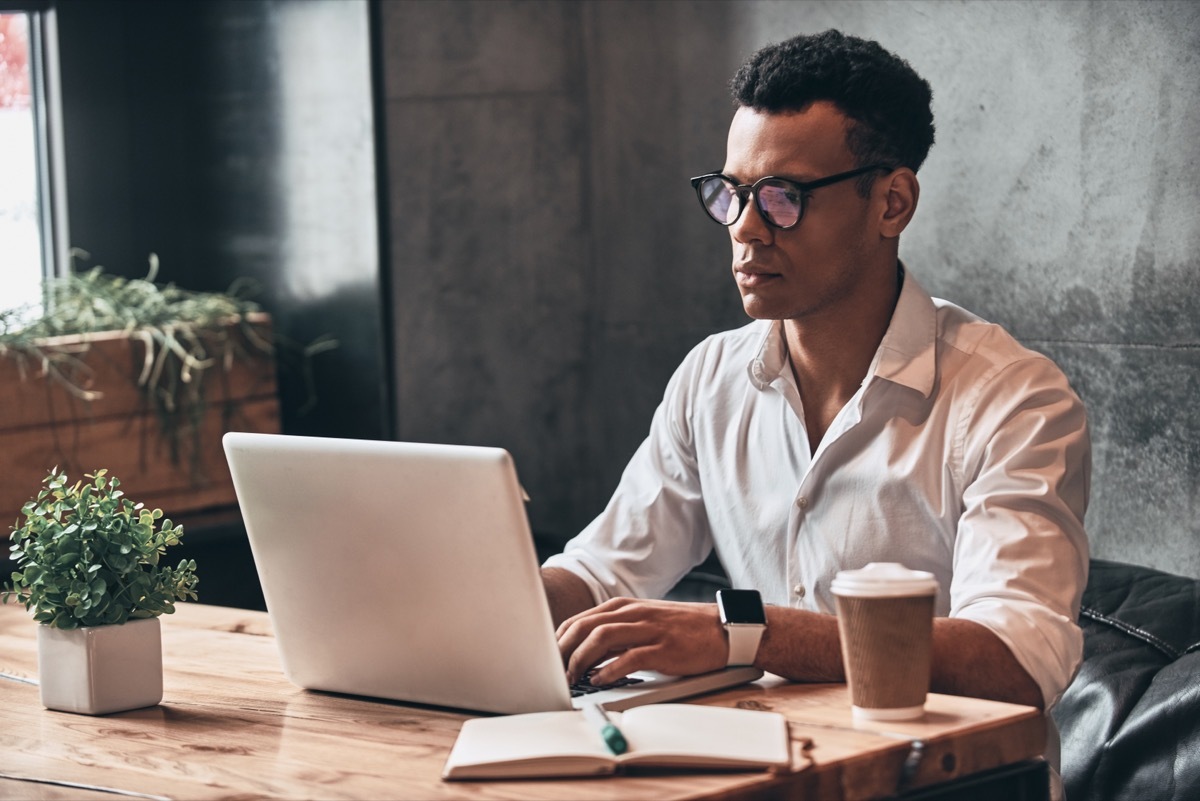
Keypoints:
pixel 101 669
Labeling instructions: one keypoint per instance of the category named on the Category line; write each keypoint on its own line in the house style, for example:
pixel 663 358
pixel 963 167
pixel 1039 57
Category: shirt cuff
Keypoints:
pixel 574 565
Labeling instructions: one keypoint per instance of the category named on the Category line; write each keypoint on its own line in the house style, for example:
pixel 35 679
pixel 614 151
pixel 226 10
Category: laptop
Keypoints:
pixel 407 571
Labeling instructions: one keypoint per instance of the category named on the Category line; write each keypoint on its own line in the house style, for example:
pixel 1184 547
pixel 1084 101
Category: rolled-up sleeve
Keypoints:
pixel 1021 552
pixel 654 529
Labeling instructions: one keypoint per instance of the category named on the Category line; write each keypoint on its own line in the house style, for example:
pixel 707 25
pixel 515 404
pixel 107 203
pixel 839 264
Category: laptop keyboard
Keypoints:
pixel 585 687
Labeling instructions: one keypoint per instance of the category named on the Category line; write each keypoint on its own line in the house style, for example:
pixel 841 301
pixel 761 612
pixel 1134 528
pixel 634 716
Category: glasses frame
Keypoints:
pixel 742 191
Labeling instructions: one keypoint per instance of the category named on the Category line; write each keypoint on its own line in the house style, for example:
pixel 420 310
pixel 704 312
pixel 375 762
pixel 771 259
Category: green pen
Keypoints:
pixel 608 730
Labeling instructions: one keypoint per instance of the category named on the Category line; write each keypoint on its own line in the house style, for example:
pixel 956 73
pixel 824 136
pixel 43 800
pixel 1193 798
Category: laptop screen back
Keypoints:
pixel 399 570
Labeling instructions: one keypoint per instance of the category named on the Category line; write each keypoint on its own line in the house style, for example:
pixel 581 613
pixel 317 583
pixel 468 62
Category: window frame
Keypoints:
pixel 45 86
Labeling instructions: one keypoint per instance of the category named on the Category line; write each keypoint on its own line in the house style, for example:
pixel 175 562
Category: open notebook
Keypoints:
pixel 407 571
pixel 545 744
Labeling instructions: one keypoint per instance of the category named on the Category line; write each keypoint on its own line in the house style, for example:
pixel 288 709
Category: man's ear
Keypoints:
pixel 900 190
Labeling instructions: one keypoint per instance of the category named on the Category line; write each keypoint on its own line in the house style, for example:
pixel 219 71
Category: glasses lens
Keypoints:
pixel 720 200
pixel 780 203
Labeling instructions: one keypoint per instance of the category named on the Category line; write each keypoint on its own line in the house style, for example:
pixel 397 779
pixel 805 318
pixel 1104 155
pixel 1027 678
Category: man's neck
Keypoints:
pixel 830 355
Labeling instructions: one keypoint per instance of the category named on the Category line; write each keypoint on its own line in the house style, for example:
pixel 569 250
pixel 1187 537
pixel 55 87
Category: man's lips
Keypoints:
pixel 750 278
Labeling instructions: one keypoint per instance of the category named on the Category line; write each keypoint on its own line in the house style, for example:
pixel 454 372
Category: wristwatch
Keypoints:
pixel 744 620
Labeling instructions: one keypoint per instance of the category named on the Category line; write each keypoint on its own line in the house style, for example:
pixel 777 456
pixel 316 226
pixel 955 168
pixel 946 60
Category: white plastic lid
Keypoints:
pixel 884 580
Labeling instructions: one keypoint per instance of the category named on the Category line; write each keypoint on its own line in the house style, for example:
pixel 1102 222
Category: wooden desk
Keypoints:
pixel 231 726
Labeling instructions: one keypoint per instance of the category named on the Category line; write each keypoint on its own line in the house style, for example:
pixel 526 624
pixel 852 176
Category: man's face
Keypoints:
pixel 817 267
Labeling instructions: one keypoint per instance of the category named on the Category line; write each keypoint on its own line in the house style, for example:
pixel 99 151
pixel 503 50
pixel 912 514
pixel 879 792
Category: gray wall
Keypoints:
pixel 549 268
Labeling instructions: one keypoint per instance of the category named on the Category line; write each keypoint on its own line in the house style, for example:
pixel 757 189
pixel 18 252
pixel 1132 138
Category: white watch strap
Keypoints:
pixel 743 642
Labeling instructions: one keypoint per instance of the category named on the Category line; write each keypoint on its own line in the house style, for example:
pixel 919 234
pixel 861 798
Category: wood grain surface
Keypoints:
pixel 232 727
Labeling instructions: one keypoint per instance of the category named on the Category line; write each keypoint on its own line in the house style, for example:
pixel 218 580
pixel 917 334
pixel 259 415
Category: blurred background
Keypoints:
pixel 487 205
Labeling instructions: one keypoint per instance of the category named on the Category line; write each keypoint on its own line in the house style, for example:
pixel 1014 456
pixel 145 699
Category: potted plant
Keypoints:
pixel 90 574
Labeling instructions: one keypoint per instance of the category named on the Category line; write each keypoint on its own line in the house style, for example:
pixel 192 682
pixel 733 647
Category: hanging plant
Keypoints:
pixel 185 334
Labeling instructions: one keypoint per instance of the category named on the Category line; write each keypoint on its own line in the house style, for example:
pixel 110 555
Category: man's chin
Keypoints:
pixel 756 309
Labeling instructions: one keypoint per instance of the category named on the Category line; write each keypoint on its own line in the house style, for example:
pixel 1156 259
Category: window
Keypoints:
pixel 28 241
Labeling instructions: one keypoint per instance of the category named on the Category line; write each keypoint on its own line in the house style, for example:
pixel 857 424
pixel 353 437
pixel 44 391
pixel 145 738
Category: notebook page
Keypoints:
pixel 710 733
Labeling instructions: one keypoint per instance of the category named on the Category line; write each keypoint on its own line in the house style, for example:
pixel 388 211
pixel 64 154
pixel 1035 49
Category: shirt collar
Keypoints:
pixel 906 355
pixel 770 360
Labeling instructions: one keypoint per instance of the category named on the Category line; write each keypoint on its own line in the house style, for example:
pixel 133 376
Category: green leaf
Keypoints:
pixel 93 558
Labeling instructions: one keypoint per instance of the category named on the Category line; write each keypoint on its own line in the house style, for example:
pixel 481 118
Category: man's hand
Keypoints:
pixel 684 639
pixel 680 639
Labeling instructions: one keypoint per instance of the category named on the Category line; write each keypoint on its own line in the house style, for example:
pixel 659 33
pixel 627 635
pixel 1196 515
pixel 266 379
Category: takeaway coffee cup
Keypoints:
pixel 885 618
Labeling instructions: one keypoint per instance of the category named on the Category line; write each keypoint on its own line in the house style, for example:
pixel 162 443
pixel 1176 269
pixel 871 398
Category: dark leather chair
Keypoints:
pixel 1130 722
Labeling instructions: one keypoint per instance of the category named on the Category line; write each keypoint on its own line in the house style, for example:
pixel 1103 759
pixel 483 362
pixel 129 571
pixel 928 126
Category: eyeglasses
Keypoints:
pixel 778 200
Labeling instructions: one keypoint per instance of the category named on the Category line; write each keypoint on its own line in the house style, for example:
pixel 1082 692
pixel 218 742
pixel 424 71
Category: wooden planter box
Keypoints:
pixel 42 425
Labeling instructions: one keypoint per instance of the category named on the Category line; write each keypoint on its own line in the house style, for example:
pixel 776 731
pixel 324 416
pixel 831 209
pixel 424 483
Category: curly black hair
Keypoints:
pixel 886 100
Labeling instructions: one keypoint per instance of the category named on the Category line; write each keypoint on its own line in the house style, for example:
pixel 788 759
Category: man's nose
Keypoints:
pixel 751 227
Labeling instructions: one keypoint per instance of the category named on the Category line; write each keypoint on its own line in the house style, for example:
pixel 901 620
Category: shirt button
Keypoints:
pixel 802 502
pixel 799 591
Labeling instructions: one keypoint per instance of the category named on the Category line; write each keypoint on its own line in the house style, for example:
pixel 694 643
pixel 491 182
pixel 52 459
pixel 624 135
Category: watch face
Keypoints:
pixel 741 606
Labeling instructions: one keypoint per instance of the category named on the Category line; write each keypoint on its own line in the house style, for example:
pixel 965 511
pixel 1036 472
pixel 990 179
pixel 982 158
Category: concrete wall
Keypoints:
pixel 549 268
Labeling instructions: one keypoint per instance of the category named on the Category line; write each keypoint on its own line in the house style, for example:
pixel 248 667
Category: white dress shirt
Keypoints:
pixel 962 453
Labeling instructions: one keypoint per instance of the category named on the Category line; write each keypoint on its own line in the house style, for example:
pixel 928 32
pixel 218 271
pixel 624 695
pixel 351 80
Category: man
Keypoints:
pixel 856 420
